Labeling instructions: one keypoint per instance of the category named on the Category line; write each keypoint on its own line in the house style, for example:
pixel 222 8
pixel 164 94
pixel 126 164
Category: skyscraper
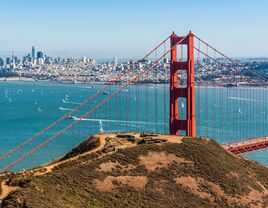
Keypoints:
pixel 33 52
pixel 84 60
pixel 115 60
pixel 1 62
pixel 40 55
pixel 8 61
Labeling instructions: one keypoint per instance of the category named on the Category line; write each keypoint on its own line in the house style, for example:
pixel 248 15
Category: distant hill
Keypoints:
pixel 132 170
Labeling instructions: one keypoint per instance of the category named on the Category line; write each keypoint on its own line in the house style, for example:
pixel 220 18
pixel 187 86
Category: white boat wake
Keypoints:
pixel 239 98
pixel 70 102
pixel 113 121
pixel 65 109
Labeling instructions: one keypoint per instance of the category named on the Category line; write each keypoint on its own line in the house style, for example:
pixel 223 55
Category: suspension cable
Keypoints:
pixel 230 59
pixel 89 112
pixel 82 104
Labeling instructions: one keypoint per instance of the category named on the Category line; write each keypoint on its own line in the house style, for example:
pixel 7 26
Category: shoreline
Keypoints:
pixel 25 79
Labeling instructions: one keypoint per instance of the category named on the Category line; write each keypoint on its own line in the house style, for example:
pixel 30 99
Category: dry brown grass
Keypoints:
pixel 155 160
pixel 193 184
pixel 107 185
pixel 110 166
pixel 232 174
pixel 186 173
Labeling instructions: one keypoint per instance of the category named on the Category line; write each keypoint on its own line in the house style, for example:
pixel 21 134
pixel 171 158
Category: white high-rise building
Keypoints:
pixel 84 60
pixel 34 61
pixel 40 61
pixel 115 60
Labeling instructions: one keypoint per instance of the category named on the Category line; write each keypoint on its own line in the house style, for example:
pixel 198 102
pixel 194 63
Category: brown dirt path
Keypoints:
pixel 50 166
pixel 6 190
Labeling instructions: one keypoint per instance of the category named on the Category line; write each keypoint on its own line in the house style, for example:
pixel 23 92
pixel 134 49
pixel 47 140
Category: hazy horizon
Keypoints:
pixel 92 55
pixel 106 28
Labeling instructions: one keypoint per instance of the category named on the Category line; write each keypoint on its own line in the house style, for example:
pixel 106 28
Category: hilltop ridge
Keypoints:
pixel 141 170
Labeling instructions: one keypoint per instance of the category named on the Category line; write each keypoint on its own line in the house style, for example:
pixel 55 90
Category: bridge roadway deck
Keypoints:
pixel 246 146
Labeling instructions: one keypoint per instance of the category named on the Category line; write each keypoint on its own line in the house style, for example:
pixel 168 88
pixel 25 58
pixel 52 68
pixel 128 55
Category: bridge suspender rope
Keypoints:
pixel 176 122
pixel 81 105
pixel 252 144
pixel 230 59
pixel 92 110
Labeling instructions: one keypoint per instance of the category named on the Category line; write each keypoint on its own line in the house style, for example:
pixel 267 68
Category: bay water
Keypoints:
pixel 224 114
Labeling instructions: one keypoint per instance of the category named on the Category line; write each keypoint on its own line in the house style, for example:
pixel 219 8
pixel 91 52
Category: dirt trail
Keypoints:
pixel 49 167
pixel 6 190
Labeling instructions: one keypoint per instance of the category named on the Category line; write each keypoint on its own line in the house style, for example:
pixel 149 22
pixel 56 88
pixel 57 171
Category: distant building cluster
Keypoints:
pixel 35 59
pixel 38 66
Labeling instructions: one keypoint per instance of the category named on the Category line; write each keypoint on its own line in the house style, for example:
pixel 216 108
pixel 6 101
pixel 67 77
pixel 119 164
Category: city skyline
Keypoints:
pixel 101 29
pixel 35 54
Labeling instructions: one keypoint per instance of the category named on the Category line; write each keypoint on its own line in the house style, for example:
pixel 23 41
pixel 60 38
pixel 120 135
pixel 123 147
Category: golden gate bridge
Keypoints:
pixel 179 104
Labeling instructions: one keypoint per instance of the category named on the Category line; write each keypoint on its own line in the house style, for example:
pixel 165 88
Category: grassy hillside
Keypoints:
pixel 144 171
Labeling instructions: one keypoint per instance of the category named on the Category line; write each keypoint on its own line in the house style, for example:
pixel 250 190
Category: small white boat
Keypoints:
pixel 101 129
pixel 73 118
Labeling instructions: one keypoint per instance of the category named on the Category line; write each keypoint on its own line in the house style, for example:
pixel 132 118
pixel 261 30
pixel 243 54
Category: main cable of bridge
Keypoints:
pixel 223 118
pixel 230 59
pixel 250 94
pixel 227 67
pixel 92 110
pixel 82 104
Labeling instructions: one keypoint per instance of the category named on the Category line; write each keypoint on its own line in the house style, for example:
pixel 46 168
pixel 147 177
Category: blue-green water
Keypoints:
pixel 226 114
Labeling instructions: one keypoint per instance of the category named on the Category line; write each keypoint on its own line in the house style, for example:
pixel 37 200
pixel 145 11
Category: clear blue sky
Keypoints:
pixel 129 28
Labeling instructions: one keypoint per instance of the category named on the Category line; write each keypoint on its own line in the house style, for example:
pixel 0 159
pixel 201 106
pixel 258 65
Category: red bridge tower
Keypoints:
pixel 176 124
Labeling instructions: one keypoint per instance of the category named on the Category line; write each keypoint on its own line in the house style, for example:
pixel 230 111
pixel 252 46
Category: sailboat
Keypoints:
pixel 101 129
